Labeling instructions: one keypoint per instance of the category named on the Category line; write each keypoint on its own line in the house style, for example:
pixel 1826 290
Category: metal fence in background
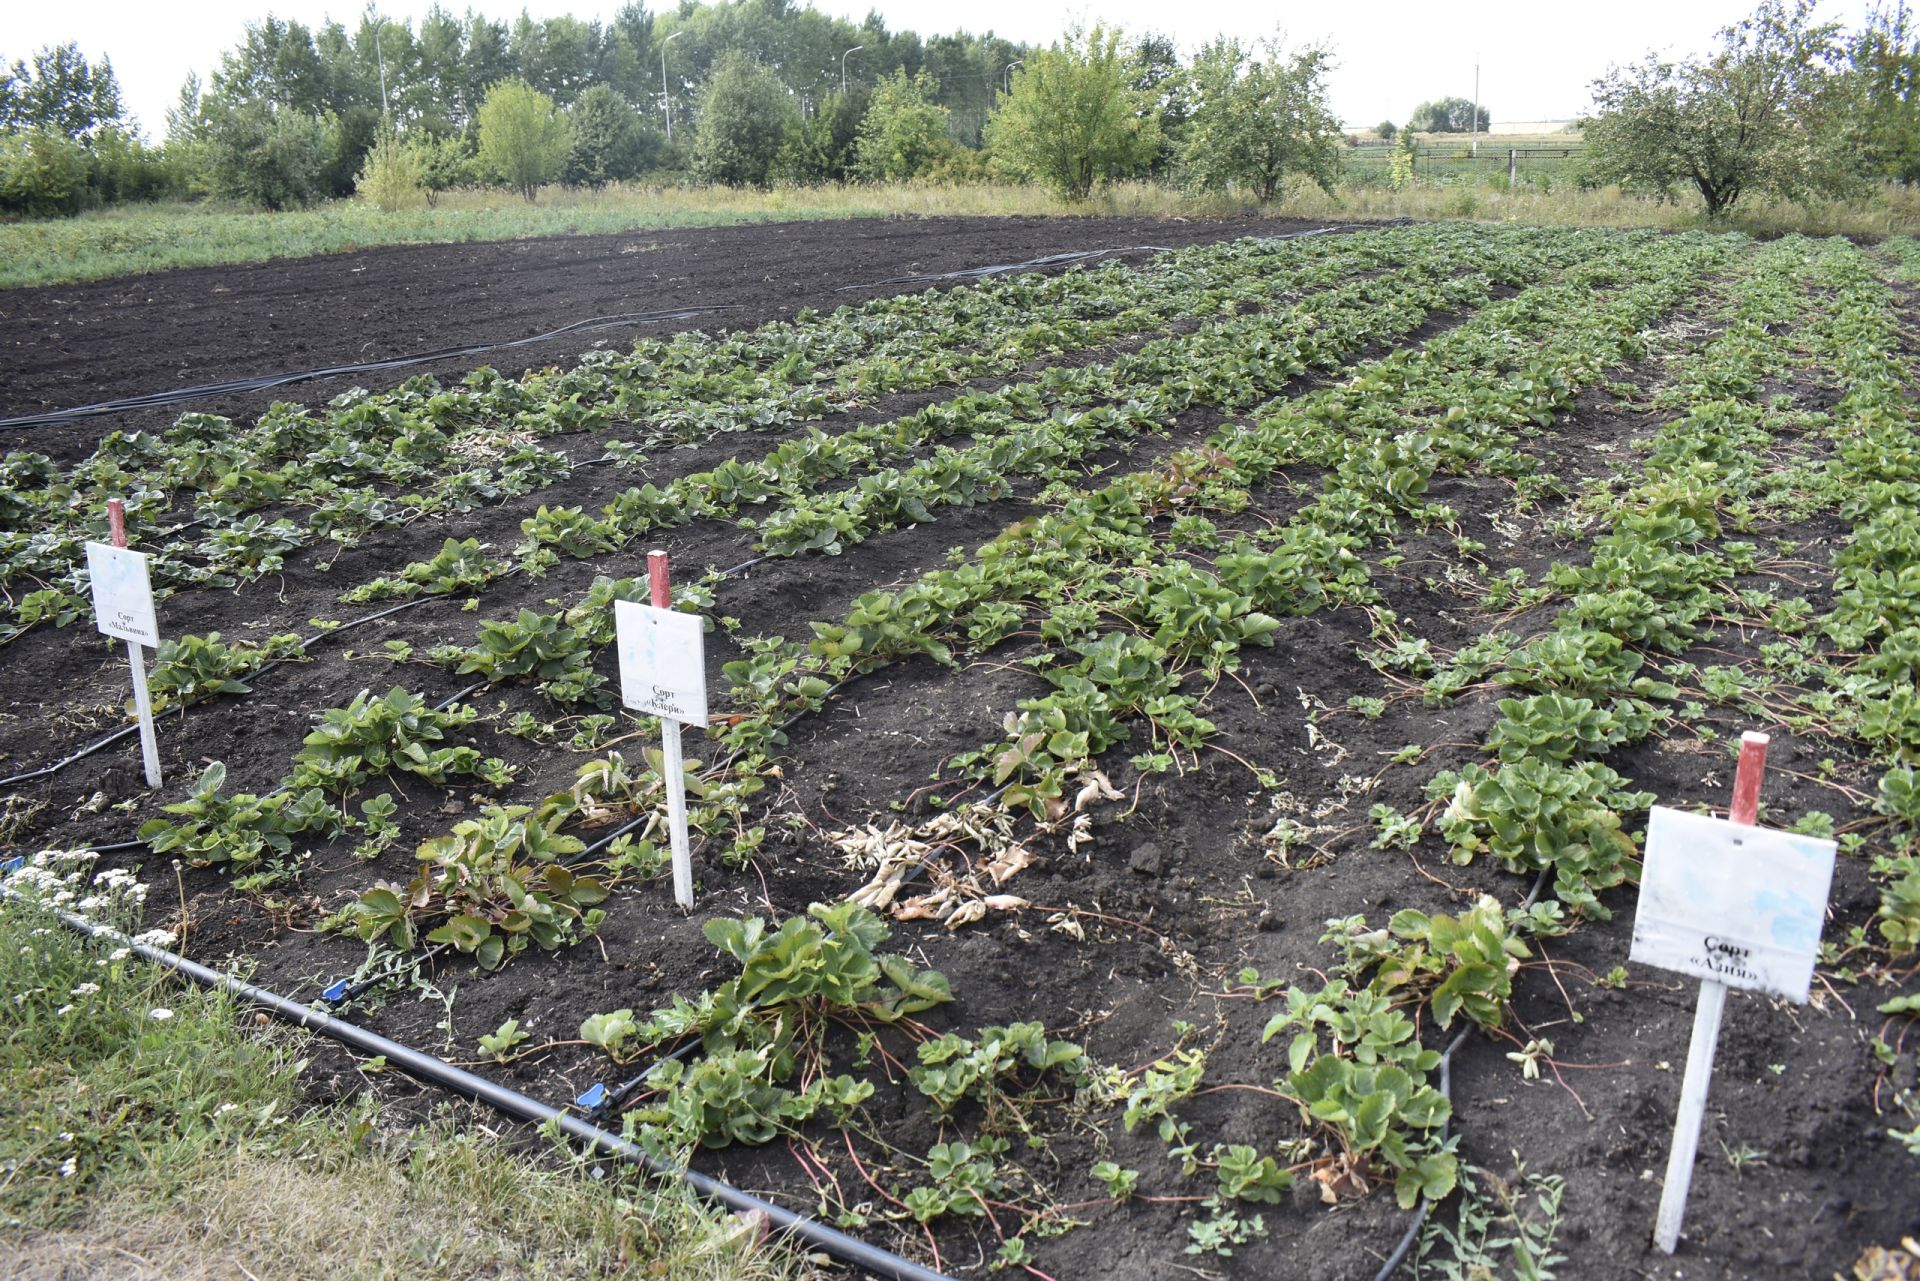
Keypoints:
pixel 1485 162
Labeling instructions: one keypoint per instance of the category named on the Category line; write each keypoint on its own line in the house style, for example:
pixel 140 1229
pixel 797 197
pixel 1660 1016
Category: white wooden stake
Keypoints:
pixel 672 763
pixel 149 744
pixel 1706 1029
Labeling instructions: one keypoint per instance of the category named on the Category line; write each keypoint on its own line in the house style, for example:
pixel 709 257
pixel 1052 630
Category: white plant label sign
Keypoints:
pixel 663 661
pixel 122 594
pixel 1740 905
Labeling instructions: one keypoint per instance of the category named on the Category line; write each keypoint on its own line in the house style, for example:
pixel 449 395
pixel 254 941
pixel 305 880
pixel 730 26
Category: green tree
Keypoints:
pixel 1765 112
pixel 904 132
pixel 1884 65
pixel 746 113
pixel 1259 119
pixel 1386 129
pixel 1073 119
pixel 445 163
pixel 609 142
pixel 43 173
pixel 821 148
pixel 1449 115
pixel 269 155
pixel 1166 90
pixel 524 142
pixel 59 92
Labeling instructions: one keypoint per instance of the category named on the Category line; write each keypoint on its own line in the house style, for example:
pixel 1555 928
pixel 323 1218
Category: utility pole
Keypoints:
pixel 843 68
pixel 386 110
pixel 1475 126
pixel 666 92
pixel 1007 73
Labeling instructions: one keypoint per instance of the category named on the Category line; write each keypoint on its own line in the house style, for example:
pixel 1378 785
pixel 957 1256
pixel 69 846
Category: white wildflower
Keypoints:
pixel 161 1013
pixel 86 989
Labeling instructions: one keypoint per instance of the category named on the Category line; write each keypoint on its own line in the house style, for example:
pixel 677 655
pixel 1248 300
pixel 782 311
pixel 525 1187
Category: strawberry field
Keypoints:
pixel 1182 734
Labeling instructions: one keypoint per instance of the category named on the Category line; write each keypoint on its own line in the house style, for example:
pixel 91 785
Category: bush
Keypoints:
pixel 821 149
pixel 609 141
pixel 271 156
pixel 394 176
pixel 446 163
pixel 1263 115
pixel 746 115
pixel 1769 112
pixel 904 132
pixel 523 141
pixel 43 174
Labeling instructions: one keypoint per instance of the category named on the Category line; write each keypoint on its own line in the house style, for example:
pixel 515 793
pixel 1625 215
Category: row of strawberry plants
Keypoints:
pixel 1027 428
pixel 1379 465
pixel 1372 1085
pixel 1658 581
pixel 1356 1063
pixel 350 463
pixel 1874 624
pixel 1652 582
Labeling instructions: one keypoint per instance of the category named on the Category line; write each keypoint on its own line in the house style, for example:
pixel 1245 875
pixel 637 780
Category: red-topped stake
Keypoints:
pixel 1746 778
pixel 123 608
pixel 672 762
pixel 657 580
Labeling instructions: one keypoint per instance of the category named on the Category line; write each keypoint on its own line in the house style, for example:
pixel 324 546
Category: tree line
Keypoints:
pixel 751 92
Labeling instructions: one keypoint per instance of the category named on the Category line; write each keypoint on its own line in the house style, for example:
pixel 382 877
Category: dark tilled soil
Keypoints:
pixel 1177 889
pixel 83 344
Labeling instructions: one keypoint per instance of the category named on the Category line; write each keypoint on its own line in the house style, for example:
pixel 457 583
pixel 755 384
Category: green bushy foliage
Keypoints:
pixel 524 141
pixel 745 115
pixel 904 132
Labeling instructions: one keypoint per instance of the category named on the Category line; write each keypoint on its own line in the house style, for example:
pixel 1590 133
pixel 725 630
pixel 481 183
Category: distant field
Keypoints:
pixel 1450 184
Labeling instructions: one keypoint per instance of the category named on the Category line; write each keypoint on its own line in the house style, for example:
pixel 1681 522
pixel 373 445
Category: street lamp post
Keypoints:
pixel 843 68
pixel 1006 72
pixel 666 92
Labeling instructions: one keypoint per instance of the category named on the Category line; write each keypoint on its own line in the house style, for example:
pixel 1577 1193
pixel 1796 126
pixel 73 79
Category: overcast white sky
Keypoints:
pixel 1536 56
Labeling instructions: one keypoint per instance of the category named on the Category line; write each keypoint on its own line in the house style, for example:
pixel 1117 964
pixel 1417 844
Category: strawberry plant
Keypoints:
pixel 1534 815
pixel 371 736
pixel 195 667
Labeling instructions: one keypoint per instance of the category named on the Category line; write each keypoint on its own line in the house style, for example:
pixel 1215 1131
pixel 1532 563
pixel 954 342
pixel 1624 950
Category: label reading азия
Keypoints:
pixel 1738 904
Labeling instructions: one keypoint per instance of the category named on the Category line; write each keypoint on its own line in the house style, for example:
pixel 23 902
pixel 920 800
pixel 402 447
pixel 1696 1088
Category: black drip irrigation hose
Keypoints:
pixel 436 1071
pixel 1421 1215
pixel 265 382
pixel 127 731
pixel 598 1102
pixel 140 844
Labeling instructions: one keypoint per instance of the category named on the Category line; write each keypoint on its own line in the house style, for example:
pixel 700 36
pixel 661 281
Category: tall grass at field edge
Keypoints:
pixel 133 240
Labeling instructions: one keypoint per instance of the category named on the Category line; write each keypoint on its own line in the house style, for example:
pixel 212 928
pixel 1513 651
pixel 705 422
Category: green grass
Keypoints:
pixel 129 241
pixel 149 1122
